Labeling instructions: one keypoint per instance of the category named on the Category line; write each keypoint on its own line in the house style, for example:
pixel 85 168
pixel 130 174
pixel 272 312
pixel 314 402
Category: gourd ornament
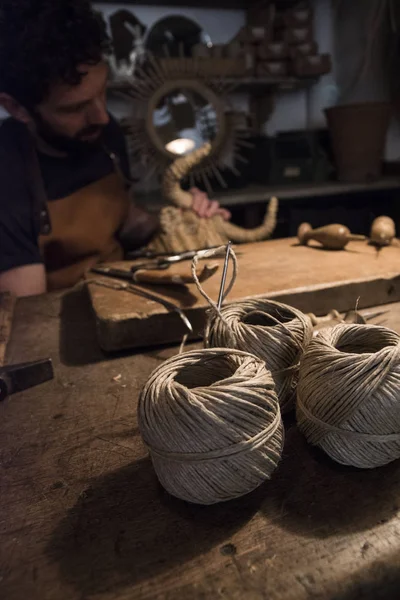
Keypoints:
pixel 383 231
pixel 331 237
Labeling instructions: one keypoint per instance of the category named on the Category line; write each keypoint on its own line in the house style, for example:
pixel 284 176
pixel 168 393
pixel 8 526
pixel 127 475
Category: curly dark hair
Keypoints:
pixel 44 41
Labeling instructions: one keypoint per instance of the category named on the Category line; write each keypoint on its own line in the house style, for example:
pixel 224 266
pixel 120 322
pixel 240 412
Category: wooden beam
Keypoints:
pixel 255 194
pixel 260 194
pixel 228 4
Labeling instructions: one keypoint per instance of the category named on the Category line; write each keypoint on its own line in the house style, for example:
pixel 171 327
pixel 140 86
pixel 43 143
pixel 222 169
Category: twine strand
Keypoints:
pixel 215 253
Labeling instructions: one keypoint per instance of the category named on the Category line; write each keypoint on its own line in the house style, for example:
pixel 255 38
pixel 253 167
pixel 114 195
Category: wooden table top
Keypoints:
pixel 82 515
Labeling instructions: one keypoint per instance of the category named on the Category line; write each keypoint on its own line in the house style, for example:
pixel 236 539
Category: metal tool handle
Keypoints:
pixel 155 265
pixel 126 287
pixel 16 378
pixel 168 305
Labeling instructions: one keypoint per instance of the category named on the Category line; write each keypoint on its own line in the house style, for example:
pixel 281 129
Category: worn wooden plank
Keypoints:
pixel 261 194
pixel 309 278
pixel 7 303
pixel 82 515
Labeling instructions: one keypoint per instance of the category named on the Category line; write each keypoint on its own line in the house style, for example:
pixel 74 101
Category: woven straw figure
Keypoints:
pixel 181 229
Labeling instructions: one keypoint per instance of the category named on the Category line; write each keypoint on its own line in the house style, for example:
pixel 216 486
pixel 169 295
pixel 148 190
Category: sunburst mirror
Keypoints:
pixel 176 106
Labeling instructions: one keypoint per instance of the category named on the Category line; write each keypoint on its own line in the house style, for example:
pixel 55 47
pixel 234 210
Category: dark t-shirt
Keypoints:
pixel 61 177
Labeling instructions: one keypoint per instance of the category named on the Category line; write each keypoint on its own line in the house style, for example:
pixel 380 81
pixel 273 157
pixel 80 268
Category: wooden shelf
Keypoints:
pixel 277 83
pixel 227 4
pixel 260 194
pixel 241 83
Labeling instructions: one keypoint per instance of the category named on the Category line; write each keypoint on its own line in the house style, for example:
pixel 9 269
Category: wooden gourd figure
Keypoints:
pixel 331 237
pixel 383 231
pixel 181 229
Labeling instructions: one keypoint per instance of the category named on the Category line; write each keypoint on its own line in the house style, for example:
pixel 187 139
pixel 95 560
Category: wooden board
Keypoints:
pixel 82 516
pixel 309 278
pixel 7 303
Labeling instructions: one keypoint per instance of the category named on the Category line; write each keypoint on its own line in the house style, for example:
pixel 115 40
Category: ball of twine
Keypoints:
pixel 274 332
pixel 212 423
pixel 348 397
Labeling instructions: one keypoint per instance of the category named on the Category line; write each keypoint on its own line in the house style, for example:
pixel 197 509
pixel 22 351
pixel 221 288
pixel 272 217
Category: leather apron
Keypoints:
pixel 83 230
pixel 76 232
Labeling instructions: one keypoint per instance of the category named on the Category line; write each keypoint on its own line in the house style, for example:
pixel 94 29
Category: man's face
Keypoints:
pixel 73 117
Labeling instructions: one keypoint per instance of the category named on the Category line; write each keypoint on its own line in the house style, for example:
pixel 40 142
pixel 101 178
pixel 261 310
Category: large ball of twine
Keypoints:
pixel 274 332
pixel 212 423
pixel 348 397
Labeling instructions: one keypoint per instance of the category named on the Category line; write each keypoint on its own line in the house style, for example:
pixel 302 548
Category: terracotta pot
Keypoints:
pixel 358 134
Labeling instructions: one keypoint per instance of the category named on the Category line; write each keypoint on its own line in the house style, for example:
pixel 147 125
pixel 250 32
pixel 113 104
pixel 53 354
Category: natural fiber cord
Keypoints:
pixel 212 423
pixel 349 394
pixel 274 332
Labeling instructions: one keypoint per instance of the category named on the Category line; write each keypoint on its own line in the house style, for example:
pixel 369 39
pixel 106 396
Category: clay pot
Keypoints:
pixel 358 134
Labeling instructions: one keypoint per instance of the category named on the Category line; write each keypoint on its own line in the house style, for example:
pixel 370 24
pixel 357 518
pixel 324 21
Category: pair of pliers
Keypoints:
pixel 152 255
pixel 124 273
pixel 164 261
pixel 161 265
pixel 137 273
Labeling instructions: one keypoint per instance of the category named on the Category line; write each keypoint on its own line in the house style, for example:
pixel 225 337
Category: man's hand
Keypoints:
pixel 206 208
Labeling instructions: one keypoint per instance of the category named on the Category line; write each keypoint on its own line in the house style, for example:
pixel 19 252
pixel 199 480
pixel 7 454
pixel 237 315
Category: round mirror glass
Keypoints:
pixel 184 120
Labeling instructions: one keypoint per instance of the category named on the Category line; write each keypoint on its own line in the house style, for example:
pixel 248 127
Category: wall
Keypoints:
pixel 343 32
pixel 340 32
pixel 221 25
pixel 304 109
pixel 301 109
pixel 354 34
pixel 293 110
pixel 359 26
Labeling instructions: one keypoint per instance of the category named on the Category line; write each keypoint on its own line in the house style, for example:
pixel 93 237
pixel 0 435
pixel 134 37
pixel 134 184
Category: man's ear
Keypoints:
pixel 15 109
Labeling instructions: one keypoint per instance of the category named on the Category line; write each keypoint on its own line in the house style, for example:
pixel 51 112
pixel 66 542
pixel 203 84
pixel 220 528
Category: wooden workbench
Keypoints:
pixel 82 515
pixel 306 277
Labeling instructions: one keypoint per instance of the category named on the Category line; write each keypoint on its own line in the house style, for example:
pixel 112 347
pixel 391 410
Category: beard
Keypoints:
pixel 77 145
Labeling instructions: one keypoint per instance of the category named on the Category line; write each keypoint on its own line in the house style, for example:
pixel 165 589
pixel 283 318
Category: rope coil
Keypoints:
pixel 271 331
pixel 274 332
pixel 348 397
pixel 212 423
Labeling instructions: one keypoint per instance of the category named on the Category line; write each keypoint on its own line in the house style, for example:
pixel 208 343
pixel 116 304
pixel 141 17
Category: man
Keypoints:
pixel 64 204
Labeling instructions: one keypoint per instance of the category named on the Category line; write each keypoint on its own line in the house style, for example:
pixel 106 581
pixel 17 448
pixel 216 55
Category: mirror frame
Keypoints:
pixel 196 86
